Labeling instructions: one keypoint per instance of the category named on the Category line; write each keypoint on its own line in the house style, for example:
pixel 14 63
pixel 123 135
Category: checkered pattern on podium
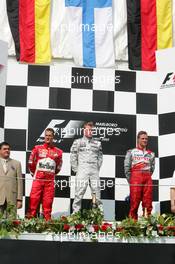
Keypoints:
pixel 59 88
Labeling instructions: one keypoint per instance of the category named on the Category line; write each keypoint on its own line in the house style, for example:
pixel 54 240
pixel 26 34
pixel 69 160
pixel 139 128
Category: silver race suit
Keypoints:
pixel 86 159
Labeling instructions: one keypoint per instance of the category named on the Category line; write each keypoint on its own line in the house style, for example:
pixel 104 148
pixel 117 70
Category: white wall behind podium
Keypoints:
pixel 3 75
pixel 165 59
pixel 166 110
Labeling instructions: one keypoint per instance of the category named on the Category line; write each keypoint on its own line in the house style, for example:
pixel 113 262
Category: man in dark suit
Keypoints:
pixel 11 185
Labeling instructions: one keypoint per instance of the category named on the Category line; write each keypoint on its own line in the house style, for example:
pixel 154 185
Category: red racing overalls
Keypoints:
pixel 44 163
pixel 139 165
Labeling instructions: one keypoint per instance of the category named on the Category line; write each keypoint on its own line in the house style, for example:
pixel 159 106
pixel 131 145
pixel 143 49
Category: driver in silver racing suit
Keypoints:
pixel 86 160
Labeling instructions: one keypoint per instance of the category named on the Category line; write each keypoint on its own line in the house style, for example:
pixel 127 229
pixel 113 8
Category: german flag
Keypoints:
pixel 29 22
pixel 150 28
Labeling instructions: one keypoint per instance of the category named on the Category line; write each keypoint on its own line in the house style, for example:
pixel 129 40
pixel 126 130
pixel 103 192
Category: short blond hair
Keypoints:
pixel 141 133
pixel 90 123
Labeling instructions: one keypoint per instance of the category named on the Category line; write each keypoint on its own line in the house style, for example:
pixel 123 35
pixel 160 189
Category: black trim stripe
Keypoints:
pixel 13 17
pixel 134 34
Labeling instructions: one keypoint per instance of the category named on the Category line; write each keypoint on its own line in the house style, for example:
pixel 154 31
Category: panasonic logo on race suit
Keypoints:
pixel 47 165
pixel 141 158
pixel 63 129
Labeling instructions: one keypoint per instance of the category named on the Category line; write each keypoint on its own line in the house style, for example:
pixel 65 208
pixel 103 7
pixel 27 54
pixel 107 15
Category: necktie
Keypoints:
pixel 5 165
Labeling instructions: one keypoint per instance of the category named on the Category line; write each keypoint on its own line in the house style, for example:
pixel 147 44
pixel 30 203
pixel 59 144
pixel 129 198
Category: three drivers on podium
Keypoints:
pixel 86 160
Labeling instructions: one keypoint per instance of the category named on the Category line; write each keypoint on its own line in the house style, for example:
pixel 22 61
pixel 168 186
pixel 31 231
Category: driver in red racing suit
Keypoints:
pixel 44 163
pixel 139 166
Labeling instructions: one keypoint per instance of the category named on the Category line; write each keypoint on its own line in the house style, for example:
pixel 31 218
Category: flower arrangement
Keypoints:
pixel 92 222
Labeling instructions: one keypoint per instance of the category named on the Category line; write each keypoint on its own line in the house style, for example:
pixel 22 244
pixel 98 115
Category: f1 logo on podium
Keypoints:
pixel 169 81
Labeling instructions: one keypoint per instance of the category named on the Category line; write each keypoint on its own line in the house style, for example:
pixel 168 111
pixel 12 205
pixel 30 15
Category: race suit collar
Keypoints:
pixel 143 149
pixel 87 138
pixel 48 146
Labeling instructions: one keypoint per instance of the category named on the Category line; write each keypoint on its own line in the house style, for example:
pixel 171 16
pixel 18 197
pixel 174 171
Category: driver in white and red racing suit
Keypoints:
pixel 139 166
pixel 44 163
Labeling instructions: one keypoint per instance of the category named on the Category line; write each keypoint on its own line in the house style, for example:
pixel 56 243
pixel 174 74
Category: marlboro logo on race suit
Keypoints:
pixel 46 165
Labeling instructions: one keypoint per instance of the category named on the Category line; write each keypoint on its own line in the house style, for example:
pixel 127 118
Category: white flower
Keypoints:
pixel 90 229
pixel 114 226
pixel 154 233
pixel 164 215
pixel 72 228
